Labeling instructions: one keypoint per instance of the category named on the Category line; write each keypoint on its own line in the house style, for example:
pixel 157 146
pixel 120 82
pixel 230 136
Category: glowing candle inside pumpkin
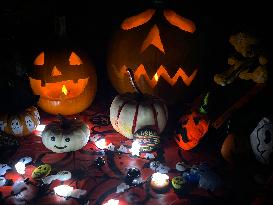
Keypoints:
pixel 64 90
pixel 156 77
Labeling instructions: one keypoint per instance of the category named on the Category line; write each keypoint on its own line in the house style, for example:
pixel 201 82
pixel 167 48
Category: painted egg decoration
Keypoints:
pixel 64 79
pixel 41 171
pixel 178 182
pixel 20 124
pixel 65 135
pixel 147 138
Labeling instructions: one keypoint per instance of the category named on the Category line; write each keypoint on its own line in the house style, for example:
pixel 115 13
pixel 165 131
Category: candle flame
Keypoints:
pixel 156 77
pixel 64 90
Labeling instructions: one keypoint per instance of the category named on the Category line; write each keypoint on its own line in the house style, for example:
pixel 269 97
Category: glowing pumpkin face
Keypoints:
pixel 66 84
pixel 160 46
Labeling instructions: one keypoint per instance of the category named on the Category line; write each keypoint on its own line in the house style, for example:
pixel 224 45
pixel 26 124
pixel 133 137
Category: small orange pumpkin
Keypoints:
pixel 20 124
pixel 192 128
pixel 66 84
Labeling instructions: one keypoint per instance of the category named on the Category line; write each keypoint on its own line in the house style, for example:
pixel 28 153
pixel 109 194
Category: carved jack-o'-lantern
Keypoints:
pixel 66 84
pixel 161 47
pixel 192 128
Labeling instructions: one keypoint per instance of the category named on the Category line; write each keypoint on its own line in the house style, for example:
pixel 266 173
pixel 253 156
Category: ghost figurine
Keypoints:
pixel 3 169
pixel 30 124
pixel 2 125
pixel 262 140
pixel 62 176
pixel 2 181
pixel 16 127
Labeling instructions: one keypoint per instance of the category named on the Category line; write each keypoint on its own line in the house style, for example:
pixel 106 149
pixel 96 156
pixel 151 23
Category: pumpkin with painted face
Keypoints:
pixel 41 171
pixel 161 46
pixel 65 135
pixel 65 81
pixel 21 123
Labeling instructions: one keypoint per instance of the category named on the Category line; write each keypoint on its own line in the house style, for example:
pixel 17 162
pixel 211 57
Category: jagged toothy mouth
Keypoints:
pixel 54 90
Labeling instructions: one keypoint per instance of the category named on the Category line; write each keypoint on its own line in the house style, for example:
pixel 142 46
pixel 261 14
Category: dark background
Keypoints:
pixel 27 27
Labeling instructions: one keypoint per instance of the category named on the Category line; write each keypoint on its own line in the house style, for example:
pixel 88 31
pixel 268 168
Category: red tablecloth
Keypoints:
pixel 101 182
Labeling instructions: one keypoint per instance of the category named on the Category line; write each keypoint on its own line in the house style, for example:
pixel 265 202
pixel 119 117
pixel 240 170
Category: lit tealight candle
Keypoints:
pixel 63 190
pixel 20 167
pixel 159 181
pixel 135 148
pixel 40 128
pixel 112 202
pixel 101 144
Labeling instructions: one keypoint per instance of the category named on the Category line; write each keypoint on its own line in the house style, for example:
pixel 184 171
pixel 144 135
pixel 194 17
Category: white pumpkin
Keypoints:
pixel 130 112
pixel 66 135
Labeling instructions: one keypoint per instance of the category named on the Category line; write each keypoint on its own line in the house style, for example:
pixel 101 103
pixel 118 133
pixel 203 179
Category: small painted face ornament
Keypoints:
pixel 41 171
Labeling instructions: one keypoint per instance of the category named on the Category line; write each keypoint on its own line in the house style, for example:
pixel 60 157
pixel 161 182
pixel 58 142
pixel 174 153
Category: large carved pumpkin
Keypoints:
pixel 65 81
pixel 161 46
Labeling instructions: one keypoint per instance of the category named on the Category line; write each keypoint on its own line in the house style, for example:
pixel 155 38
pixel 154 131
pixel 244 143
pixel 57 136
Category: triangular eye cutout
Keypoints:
pixel 74 59
pixel 179 21
pixel 153 38
pixel 55 72
pixel 137 20
pixel 40 59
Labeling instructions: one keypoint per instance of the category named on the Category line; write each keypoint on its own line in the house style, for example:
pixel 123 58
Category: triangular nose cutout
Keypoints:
pixel 153 38
pixel 55 72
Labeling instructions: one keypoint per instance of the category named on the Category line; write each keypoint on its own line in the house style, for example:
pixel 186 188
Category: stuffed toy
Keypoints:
pixel 248 62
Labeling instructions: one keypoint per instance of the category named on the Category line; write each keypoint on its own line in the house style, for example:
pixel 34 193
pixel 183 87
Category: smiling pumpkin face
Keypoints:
pixel 161 47
pixel 66 84
pixel 67 136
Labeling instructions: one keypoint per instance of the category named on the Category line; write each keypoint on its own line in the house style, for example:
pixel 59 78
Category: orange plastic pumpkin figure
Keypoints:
pixel 161 46
pixel 192 128
pixel 66 84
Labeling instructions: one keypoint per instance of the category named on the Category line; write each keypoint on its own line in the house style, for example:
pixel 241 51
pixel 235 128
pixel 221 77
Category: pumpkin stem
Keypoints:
pixel 203 109
pixel 133 82
pixel 65 123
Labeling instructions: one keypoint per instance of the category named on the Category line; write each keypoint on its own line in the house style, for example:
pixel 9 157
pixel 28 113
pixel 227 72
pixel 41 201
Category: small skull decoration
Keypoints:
pixel 262 141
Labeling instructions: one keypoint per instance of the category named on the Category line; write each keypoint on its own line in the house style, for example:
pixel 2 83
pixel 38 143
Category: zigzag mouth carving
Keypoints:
pixel 161 73
pixel 54 91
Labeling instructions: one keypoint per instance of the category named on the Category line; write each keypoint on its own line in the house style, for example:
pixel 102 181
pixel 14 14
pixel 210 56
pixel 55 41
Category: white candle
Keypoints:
pixel 63 190
pixel 135 148
pixel 159 181
pixel 101 144
pixel 112 202
pixel 20 167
